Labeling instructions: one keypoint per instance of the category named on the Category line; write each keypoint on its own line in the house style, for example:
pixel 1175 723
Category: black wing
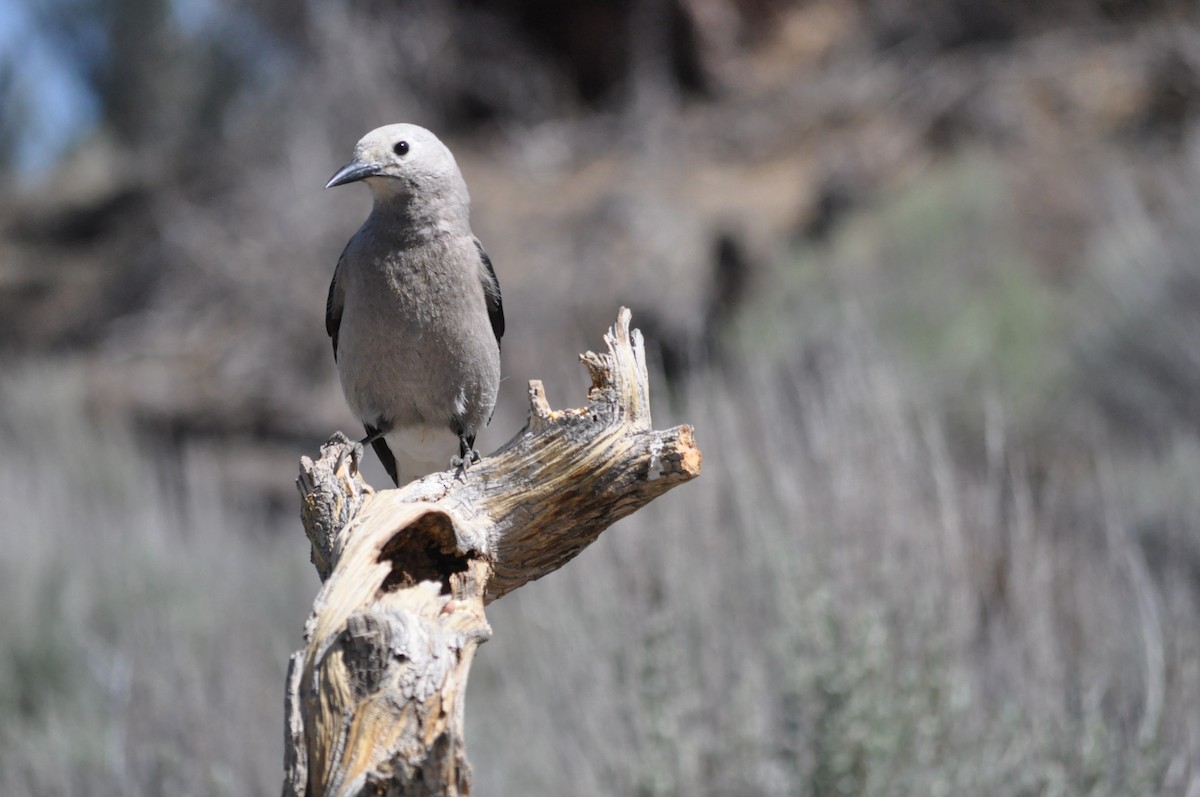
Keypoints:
pixel 333 307
pixel 491 291
pixel 375 435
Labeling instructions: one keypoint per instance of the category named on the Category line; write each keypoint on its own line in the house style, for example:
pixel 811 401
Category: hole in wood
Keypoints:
pixel 425 550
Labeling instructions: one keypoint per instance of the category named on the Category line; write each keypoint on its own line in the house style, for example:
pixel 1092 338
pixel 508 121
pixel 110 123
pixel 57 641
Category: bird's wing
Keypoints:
pixel 333 306
pixel 491 291
pixel 374 434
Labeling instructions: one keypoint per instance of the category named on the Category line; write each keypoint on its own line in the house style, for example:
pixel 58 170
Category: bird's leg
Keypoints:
pixel 467 455
pixel 351 448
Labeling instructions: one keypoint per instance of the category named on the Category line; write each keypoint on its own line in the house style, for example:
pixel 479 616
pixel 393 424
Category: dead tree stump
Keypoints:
pixel 375 698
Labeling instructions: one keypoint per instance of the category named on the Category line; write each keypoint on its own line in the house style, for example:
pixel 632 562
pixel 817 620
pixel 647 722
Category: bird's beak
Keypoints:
pixel 352 172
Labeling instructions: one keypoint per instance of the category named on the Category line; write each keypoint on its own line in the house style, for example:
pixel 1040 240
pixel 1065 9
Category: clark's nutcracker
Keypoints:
pixel 414 308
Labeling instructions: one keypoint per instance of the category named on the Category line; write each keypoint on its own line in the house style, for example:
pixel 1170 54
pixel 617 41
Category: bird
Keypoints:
pixel 414 310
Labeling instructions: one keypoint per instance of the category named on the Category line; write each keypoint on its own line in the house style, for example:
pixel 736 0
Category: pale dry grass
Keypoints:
pixel 836 608
pixel 147 619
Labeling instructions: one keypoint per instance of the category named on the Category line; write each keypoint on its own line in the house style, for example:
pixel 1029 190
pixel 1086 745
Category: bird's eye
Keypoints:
pixel 401 148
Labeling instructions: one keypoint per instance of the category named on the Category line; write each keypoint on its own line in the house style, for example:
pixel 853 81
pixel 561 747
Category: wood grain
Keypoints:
pixel 375 699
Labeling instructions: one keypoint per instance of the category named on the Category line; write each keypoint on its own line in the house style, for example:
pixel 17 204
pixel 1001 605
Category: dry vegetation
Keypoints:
pixel 923 276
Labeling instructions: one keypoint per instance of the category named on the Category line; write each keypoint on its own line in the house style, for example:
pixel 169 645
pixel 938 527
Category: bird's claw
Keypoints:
pixel 349 447
pixel 462 462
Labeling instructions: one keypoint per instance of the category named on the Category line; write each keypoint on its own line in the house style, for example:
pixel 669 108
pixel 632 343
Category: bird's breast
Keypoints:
pixel 415 345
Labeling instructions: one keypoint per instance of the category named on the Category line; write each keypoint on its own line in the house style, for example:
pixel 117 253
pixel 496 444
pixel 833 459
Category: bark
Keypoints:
pixel 375 699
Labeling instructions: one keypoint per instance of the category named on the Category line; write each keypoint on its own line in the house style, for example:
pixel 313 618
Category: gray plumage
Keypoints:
pixel 414 309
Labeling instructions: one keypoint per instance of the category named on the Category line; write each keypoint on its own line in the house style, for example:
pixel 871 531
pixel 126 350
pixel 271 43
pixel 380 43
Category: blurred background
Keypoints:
pixel 925 275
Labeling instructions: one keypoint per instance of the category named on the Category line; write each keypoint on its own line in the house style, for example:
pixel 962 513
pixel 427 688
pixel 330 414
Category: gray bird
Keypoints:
pixel 414 309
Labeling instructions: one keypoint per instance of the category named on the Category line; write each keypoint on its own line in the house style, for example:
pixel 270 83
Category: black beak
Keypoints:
pixel 352 172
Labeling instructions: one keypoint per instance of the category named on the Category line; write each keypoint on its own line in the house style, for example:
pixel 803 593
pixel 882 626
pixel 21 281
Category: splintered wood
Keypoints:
pixel 375 699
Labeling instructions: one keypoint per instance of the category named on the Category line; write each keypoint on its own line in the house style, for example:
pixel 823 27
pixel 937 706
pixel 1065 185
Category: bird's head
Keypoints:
pixel 403 160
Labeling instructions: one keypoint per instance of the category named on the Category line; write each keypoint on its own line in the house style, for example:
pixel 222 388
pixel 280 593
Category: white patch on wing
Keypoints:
pixel 421 450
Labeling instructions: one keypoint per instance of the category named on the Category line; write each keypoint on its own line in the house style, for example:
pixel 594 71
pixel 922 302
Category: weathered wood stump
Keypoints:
pixel 375 698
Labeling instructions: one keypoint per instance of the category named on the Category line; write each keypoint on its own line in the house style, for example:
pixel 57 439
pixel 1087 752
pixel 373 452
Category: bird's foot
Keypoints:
pixel 350 448
pixel 467 456
pixel 465 462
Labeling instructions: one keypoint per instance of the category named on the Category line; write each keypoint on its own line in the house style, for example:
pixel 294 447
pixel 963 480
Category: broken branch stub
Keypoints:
pixel 375 699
